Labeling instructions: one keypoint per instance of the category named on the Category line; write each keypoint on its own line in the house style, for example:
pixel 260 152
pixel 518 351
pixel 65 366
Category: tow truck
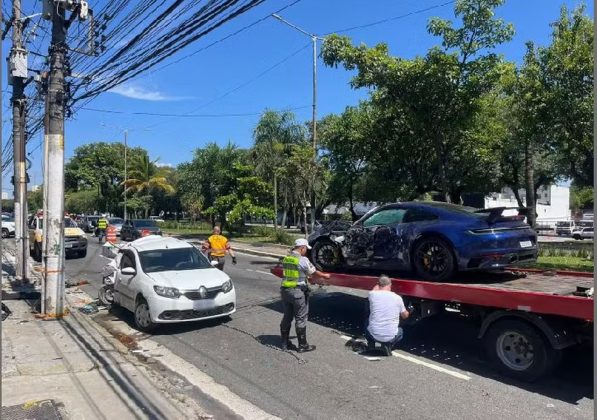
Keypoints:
pixel 526 317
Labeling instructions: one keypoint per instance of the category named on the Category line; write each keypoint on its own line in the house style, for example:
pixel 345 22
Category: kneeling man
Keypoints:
pixel 386 309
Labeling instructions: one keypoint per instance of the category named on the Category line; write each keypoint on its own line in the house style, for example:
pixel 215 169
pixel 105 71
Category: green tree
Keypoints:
pixel 82 201
pixel 274 136
pixel 146 177
pixel 431 101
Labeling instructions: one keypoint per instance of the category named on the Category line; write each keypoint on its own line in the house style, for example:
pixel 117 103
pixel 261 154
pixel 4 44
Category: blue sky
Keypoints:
pixel 196 85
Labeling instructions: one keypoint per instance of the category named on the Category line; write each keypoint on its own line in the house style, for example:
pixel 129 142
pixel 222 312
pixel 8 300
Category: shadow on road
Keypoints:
pixel 451 340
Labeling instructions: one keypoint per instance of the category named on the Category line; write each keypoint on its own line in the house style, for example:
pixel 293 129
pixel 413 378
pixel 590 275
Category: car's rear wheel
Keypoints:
pixel 143 317
pixel 433 259
pixel 326 255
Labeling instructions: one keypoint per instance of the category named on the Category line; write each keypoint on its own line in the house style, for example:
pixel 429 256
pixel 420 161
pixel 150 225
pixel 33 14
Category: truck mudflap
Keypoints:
pixel 554 330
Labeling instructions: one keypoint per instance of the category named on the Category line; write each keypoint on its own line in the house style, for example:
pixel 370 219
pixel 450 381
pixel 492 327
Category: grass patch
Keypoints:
pixel 563 263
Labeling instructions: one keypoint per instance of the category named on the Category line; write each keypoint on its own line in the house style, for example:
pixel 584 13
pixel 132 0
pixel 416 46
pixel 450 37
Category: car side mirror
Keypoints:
pixel 128 271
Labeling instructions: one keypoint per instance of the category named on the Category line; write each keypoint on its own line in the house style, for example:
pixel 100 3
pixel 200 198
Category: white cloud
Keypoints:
pixel 164 165
pixel 144 94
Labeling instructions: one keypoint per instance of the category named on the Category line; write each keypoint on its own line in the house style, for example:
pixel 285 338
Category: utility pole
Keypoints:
pixel 314 39
pixel 125 174
pixel 18 74
pixel 54 138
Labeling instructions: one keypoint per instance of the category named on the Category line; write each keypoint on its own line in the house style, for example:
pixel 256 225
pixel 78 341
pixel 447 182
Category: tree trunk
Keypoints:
pixel 351 203
pixel 275 201
pixel 443 178
pixel 515 189
pixel 529 172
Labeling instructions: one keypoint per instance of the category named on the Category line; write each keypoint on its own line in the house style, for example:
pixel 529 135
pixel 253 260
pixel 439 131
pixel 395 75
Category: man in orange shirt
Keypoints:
pixel 217 245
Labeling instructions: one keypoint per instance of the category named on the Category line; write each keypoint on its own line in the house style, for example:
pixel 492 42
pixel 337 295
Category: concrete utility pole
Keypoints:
pixel 314 39
pixel 18 66
pixel 54 138
pixel 125 173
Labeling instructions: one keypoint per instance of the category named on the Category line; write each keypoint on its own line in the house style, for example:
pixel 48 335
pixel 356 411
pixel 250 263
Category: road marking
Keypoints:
pixel 417 361
pixel 264 272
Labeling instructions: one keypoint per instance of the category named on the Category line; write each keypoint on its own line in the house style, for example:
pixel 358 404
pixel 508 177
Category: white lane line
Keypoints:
pixel 417 361
pixel 264 272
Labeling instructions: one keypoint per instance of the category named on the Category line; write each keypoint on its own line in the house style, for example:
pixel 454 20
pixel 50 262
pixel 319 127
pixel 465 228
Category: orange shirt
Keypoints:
pixel 218 245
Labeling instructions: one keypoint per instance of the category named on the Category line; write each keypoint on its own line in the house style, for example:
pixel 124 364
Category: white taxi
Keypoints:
pixel 166 280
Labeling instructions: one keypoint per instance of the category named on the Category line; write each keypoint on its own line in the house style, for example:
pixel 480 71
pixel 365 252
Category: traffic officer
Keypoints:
pixel 217 245
pixel 102 225
pixel 295 295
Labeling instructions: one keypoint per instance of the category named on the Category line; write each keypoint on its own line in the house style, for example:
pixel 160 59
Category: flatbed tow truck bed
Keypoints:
pixel 526 317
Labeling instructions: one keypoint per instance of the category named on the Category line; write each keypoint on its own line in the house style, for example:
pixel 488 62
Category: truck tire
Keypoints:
pixel 519 350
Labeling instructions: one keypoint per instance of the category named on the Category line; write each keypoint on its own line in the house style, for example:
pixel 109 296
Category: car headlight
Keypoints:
pixel 227 286
pixel 169 292
pixel 82 238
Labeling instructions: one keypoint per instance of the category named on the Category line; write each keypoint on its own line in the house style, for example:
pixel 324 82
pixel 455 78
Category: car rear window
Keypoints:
pixel 178 259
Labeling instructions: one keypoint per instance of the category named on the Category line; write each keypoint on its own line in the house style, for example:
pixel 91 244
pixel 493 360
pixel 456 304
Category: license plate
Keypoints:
pixel 203 304
pixel 68 245
pixel 526 244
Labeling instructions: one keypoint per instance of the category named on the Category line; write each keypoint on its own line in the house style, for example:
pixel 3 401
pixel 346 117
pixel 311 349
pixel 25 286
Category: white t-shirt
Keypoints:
pixel 385 308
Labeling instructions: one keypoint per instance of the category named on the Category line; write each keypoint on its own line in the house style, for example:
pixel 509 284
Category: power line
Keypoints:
pixel 379 22
pixel 159 114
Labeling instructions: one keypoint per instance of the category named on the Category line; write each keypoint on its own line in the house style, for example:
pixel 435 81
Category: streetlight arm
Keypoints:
pixel 281 19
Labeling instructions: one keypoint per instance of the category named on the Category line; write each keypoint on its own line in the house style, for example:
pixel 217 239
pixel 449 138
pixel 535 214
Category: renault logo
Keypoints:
pixel 203 292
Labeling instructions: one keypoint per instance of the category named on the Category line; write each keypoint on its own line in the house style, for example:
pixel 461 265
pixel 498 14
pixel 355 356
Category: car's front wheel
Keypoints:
pixel 143 317
pixel 433 259
pixel 326 255
pixel 5 233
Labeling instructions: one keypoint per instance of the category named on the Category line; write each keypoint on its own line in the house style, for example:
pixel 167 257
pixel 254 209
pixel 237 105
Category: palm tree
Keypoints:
pixel 146 177
pixel 274 136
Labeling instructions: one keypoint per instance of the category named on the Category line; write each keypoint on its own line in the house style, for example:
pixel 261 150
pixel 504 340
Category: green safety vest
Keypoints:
pixel 102 223
pixel 291 272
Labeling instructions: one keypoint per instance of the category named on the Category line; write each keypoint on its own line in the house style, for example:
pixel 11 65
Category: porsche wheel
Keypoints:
pixel 433 259
pixel 326 255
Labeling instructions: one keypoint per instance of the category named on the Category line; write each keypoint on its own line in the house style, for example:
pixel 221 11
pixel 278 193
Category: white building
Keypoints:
pixel 553 202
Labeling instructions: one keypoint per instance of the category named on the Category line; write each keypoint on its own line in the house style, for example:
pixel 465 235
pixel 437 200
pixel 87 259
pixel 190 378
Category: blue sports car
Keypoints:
pixel 432 239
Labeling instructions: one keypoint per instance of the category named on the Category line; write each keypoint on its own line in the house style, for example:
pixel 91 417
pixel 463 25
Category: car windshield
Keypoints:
pixel 69 223
pixel 144 223
pixel 177 259
pixel 563 224
pixel 115 221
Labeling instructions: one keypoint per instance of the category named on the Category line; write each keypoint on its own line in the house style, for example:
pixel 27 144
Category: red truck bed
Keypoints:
pixel 525 290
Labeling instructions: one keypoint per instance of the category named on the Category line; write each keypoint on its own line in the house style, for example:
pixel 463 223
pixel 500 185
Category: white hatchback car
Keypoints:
pixel 166 280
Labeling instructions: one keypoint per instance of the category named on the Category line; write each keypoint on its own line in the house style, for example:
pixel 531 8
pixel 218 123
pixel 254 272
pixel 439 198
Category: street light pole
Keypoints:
pixel 314 39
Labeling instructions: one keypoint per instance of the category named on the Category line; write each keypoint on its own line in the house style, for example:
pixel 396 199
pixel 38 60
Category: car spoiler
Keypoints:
pixel 495 214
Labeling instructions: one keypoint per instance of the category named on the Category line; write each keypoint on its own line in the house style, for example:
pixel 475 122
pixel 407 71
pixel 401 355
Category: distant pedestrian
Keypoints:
pixel 217 246
pixel 386 308
pixel 102 225
pixel 295 295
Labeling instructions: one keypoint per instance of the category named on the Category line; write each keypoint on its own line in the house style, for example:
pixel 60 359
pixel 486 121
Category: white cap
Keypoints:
pixel 301 242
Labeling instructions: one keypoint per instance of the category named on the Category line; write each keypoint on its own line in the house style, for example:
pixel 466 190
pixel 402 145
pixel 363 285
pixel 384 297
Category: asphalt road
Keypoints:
pixel 440 371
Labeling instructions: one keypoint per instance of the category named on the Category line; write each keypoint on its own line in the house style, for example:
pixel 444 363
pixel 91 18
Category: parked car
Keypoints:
pixel 432 239
pixel 8 227
pixel 583 233
pixel 75 241
pixel 116 222
pixel 89 223
pixel 133 229
pixel 156 219
pixel 166 280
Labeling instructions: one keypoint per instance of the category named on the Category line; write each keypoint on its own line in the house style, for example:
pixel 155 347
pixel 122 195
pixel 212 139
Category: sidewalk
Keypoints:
pixel 73 369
